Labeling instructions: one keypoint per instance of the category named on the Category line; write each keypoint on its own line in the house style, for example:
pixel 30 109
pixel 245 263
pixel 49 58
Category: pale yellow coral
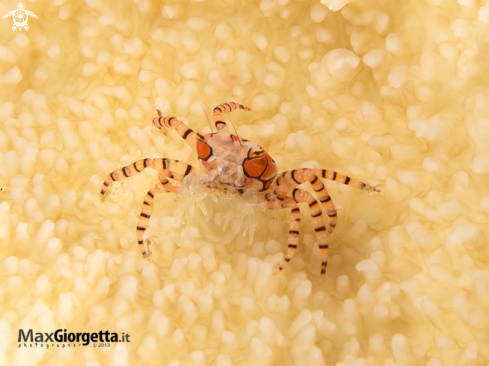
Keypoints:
pixel 393 93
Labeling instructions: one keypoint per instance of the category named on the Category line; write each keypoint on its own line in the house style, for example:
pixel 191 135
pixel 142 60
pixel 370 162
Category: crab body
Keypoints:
pixel 234 164
pixel 237 165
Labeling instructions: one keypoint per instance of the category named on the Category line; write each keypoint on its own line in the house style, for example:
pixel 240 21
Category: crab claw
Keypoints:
pixel 367 187
pixel 149 252
pixel 375 188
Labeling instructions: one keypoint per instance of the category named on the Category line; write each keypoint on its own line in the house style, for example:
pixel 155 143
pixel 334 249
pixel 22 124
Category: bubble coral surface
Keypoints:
pixel 393 93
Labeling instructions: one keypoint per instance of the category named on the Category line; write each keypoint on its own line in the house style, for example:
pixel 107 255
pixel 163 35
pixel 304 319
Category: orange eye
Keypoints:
pixel 254 168
pixel 203 150
pixel 271 170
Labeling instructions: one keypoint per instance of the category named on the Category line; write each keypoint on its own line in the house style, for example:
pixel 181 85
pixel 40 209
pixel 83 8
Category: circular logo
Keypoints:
pixel 20 18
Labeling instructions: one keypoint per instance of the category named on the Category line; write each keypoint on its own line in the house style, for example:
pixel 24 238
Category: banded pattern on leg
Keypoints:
pixel 182 129
pixel 295 177
pixel 337 177
pixel 163 186
pixel 138 166
pixel 293 239
pixel 298 176
pixel 300 195
pixel 123 173
pixel 276 198
pixel 225 108
pixel 176 166
pixel 327 202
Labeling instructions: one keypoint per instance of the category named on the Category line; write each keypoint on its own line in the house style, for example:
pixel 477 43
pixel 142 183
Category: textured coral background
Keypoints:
pixel 390 92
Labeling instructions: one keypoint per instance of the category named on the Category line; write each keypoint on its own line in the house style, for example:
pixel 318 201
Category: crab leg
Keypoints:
pixel 123 173
pixel 225 108
pixel 334 176
pixel 162 187
pixel 288 180
pixel 138 166
pixel 182 129
pixel 279 197
pixel 167 169
pixel 298 176
pixel 295 177
pixel 300 195
pixel 295 222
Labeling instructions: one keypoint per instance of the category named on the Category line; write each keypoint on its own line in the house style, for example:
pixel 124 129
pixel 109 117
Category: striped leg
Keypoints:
pixel 167 169
pixel 182 129
pixel 123 173
pixel 163 186
pixel 293 239
pixel 279 198
pixel 337 177
pixel 298 176
pixel 323 196
pixel 300 195
pixel 295 177
pixel 138 166
pixel 225 108
pixel 326 202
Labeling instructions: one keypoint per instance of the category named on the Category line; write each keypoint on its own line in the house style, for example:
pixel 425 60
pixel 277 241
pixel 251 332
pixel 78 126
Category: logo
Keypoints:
pixel 20 17
pixel 30 339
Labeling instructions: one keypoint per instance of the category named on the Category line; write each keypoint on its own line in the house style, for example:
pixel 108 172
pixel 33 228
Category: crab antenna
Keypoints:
pixel 208 120
pixel 235 130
